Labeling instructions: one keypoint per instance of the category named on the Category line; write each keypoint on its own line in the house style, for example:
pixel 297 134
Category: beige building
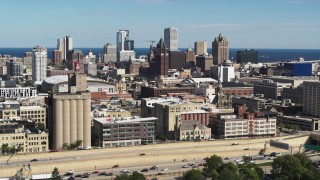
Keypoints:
pixel 36 113
pixel 220 50
pixel 110 112
pixel 171 112
pixel 193 130
pixel 201 48
pixel 70 114
pixel 31 140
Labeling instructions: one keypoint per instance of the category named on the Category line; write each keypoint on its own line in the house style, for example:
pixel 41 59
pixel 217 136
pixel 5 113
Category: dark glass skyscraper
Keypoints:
pixel 248 55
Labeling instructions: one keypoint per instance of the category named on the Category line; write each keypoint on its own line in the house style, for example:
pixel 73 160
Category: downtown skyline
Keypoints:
pixel 292 24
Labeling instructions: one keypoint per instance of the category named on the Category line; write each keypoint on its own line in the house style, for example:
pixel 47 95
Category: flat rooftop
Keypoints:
pixel 123 120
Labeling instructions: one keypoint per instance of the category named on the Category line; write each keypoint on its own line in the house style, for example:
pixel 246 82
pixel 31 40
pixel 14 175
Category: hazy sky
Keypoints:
pixel 93 23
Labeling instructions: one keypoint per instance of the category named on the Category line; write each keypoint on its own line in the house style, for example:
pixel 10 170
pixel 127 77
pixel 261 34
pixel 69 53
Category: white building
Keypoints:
pixel 39 64
pixel 223 72
pixel 126 55
pixel 171 38
pixel 122 36
pixel 19 92
pixel 64 45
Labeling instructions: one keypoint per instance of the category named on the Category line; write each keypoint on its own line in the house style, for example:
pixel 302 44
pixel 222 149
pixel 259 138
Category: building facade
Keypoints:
pixel 269 88
pixel 37 113
pixel 18 92
pixel 110 53
pixel 14 69
pixel 304 123
pixel 39 64
pixel 311 98
pixel 248 55
pixel 220 50
pixel 201 48
pixel 171 38
pixel 125 131
pixel 57 58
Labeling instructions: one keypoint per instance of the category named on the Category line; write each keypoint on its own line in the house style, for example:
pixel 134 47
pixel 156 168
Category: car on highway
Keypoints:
pixel 34 160
pixel 125 171
pixel 109 174
pixel 145 170
pixel 85 175
pixel 78 176
pixel 246 149
pixel 233 144
pixel 142 154
pixel 190 164
pixel 154 167
pixel 116 166
pixel 95 172
pixel 165 169
pixel 68 174
pixel 185 166
pixel 185 160
pixel 102 173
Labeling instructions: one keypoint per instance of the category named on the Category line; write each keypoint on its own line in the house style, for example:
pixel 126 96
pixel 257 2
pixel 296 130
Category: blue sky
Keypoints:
pixel 93 23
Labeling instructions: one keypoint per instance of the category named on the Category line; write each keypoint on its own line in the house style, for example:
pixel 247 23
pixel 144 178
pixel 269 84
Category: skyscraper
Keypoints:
pixel 161 59
pixel 201 47
pixel 57 58
pixel 109 53
pixel 64 45
pixel 125 46
pixel 171 38
pixel 69 114
pixel 39 64
pixel 311 98
pixel 220 50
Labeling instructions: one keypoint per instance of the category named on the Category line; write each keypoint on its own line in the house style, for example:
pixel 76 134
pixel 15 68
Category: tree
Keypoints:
pixel 55 174
pixel 137 176
pixel 5 148
pixel 294 167
pixel 122 177
pixel 193 174
pixel 229 171
pixel 212 163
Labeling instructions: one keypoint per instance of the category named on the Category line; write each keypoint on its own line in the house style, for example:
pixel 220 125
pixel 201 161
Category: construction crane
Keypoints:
pixel 150 41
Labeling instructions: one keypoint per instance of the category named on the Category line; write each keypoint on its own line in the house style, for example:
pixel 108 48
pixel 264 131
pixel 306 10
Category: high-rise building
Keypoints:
pixel 171 38
pixel 64 45
pixel 161 59
pixel 109 53
pixel 311 98
pixel 75 60
pixel 57 58
pixel 248 55
pixel 69 118
pixel 201 48
pixel 39 64
pixel 220 50
pixel 14 69
pixel 125 46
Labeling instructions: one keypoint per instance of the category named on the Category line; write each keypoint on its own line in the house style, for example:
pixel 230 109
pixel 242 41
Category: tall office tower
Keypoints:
pixel 64 45
pixel 161 59
pixel 69 118
pixel 171 38
pixel 39 64
pixel 122 36
pixel 248 55
pixel 311 98
pixel 75 60
pixel 220 50
pixel 201 48
pixel 129 45
pixel 14 69
pixel 109 53
pixel 125 47
pixel 57 58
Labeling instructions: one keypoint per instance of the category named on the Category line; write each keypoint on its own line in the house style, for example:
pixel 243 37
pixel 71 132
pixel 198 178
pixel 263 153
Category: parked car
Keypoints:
pixel 275 154
pixel 78 175
pixel 70 171
pixel 85 175
pixel 211 139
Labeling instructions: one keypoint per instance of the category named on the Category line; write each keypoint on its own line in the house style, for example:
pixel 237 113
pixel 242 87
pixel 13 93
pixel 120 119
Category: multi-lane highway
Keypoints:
pixel 163 155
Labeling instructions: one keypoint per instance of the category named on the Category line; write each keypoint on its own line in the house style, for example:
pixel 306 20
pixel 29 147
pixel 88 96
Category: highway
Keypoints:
pixel 162 155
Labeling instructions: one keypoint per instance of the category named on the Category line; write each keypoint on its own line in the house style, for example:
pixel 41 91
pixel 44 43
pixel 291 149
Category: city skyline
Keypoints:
pixel 292 24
